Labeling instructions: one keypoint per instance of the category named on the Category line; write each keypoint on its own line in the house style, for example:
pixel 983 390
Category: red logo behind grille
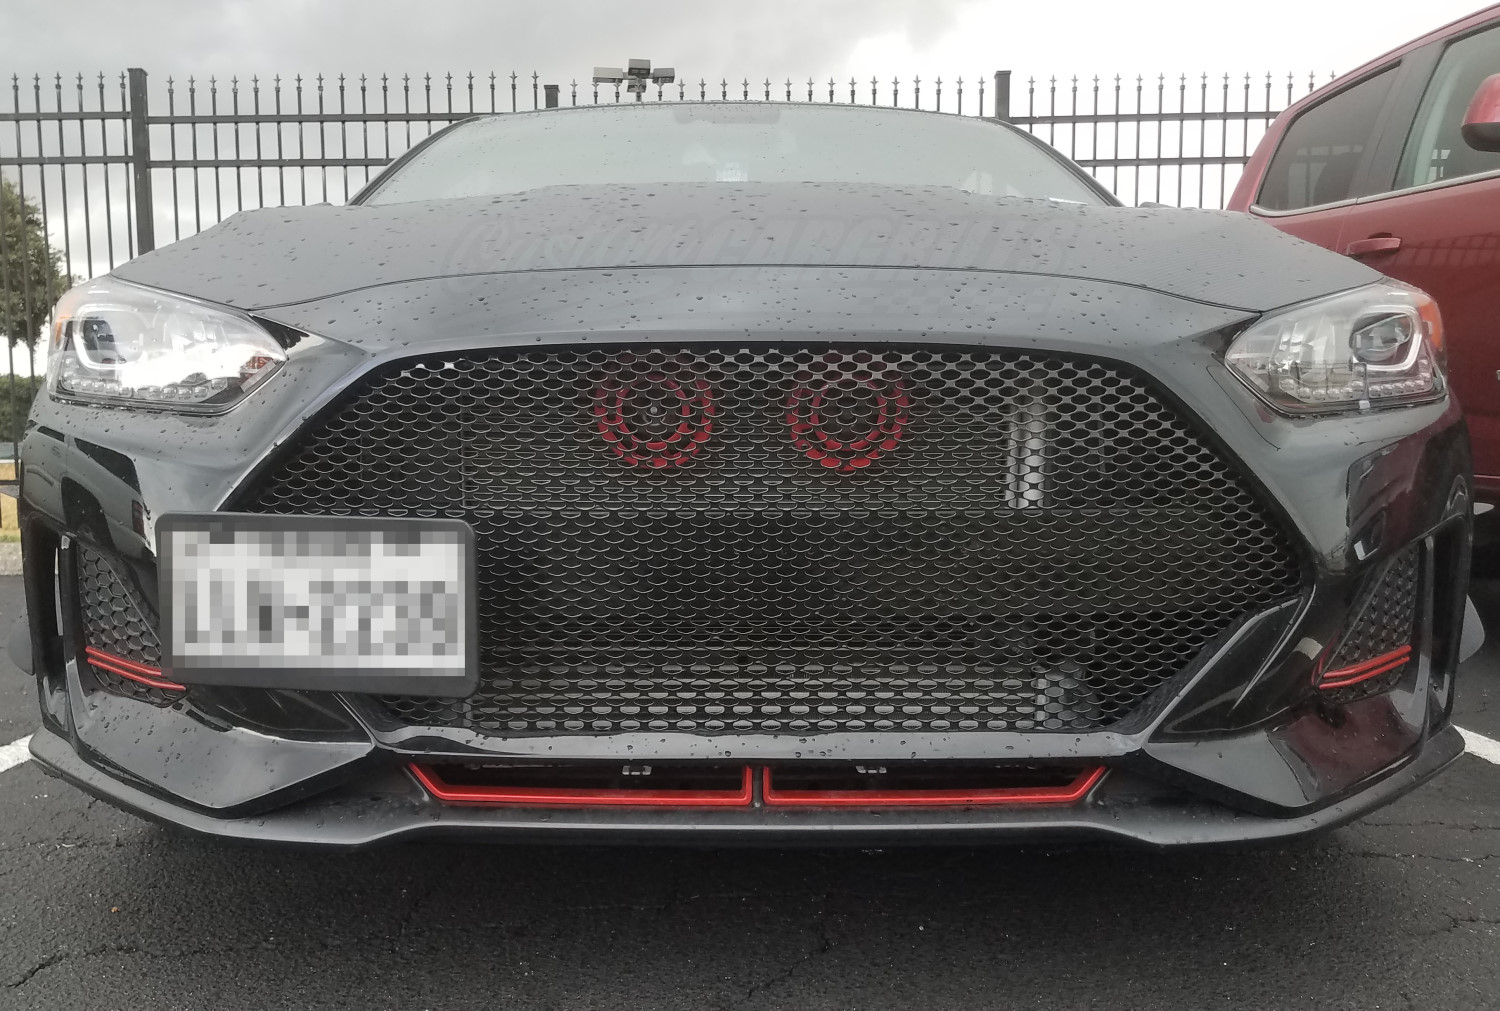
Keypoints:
pixel 846 424
pixel 654 420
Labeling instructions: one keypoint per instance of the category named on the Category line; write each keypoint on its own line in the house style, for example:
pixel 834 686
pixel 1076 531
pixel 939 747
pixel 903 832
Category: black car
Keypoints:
pixel 733 472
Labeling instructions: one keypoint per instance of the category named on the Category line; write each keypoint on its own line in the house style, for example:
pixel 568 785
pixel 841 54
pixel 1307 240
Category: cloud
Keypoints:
pixel 778 38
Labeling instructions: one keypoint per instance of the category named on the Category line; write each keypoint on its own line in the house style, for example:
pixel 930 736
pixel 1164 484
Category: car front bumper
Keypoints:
pixel 391 808
pixel 1236 747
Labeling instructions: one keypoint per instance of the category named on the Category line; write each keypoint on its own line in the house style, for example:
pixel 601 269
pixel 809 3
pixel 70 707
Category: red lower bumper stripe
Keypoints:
pixel 531 796
pixel 1346 676
pixel 451 793
pixel 1069 793
pixel 138 672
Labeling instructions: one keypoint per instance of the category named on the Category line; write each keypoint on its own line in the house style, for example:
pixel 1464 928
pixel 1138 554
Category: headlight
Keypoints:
pixel 1376 346
pixel 116 343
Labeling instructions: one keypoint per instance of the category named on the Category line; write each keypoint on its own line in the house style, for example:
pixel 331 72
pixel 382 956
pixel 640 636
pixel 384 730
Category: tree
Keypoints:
pixel 16 395
pixel 30 281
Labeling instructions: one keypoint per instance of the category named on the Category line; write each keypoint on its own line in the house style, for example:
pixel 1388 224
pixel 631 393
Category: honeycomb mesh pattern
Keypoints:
pixel 1387 621
pixel 112 621
pixel 794 539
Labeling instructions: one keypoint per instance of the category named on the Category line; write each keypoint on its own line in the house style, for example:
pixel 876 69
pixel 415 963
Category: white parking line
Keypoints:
pixel 16 752
pixel 1484 747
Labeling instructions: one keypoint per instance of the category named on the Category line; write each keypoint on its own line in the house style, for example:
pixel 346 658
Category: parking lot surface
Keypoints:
pixel 1402 910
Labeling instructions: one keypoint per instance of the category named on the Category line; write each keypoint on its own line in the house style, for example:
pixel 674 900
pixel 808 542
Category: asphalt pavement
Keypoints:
pixel 1401 910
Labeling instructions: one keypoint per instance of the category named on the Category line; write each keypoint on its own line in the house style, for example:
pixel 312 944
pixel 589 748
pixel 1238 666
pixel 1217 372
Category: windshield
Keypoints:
pixel 730 143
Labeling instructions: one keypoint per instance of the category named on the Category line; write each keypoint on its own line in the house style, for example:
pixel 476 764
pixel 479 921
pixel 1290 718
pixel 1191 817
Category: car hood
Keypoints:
pixel 285 256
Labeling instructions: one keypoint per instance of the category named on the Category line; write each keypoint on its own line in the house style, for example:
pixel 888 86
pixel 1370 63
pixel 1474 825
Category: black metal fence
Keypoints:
pixel 113 165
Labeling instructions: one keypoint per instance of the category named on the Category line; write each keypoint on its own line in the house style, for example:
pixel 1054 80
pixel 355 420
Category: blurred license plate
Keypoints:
pixel 319 603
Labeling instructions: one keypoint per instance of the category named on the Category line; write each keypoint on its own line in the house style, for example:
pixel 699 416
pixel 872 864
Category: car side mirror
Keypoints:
pixel 1481 128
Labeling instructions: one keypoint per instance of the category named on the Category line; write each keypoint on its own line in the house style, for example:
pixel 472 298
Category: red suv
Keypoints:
pixel 1398 164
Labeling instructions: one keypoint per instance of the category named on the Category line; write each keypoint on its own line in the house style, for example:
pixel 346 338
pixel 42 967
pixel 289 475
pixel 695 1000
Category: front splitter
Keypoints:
pixel 348 820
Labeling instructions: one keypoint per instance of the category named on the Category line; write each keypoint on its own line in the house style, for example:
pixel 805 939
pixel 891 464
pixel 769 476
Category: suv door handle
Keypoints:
pixel 1374 244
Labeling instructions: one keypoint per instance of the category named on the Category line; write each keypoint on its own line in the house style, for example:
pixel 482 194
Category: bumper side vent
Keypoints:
pixel 121 649
pixel 1378 647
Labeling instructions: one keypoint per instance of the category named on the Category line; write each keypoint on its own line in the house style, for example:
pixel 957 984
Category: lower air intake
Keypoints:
pixel 113 623
pixel 1385 626
pixel 753 540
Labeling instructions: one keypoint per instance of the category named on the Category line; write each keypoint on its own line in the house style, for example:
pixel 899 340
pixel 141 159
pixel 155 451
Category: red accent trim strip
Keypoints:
pixel 1383 664
pixel 573 797
pixel 138 672
pixel 1072 793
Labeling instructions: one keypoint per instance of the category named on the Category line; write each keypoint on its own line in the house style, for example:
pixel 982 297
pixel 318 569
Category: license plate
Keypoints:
pixel 319 603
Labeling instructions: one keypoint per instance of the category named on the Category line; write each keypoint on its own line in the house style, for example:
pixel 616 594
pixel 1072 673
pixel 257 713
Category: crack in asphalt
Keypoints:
pixel 1455 922
pixel 823 945
pixel 60 957
pixel 1379 855
pixel 1451 826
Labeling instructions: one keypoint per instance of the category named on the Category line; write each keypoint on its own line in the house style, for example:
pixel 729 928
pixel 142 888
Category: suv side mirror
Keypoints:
pixel 1481 128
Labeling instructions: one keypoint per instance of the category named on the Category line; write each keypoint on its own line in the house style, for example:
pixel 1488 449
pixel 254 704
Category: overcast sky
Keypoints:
pixel 755 38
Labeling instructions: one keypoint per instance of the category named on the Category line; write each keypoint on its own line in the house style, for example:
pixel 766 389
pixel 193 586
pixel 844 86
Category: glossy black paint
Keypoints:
pixel 262 259
pixel 1157 291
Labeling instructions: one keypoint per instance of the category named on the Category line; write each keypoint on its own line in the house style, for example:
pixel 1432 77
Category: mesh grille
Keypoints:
pixel 1387 620
pixel 112 621
pixel 803 539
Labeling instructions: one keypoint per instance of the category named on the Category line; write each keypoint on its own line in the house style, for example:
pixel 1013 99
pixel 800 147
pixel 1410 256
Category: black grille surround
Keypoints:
pixel 802 539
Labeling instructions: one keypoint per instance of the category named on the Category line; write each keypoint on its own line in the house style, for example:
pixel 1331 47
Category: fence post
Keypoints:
pixel 1002 95
pixel 140 162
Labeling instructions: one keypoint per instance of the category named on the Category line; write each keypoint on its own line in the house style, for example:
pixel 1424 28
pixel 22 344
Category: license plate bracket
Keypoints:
pixel 321 603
